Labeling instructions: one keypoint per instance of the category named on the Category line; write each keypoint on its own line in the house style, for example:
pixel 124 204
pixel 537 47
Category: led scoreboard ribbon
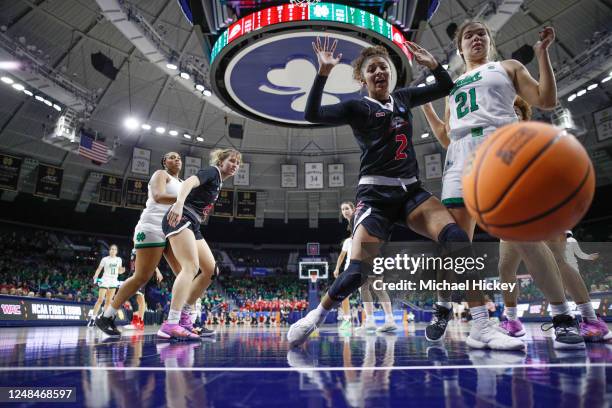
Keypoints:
pixel 288 13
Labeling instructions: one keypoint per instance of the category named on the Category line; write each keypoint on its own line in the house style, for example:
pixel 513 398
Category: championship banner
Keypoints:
pixel 224 206
pixel 314 175
pixel 48 181
pixel 192 165
pixel 335 173
pixel 10 167
pixel 141 161
pixel 242 175
pixel 136 193
pixel 110 190
pixel 288 175
pixel 246 204
pixel 433 166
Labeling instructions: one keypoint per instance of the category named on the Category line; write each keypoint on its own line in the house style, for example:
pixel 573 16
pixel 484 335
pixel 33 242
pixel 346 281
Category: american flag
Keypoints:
pixel 92 150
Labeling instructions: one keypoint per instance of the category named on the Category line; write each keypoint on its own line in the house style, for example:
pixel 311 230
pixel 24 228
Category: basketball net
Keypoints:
pixel 313 277
pixel 303 2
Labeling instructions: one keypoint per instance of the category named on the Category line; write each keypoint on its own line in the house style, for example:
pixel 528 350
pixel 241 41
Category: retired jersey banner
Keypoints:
pixel 246 204
pixel 224 206
pixel 242 177
pixel 48 181
pixel 192 165
pixel 10 167
pixel 141 161
pixel 289 175
pixel 314 175
pixel 335 172
pixel 110 190
pixel 136 193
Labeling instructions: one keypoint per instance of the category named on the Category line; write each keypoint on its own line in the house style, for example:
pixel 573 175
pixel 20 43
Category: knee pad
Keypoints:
pixel 347 282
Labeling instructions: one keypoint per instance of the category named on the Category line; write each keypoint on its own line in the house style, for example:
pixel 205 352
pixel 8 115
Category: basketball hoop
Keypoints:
pixel 303 2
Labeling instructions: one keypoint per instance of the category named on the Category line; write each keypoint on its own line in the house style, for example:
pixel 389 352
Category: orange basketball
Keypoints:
pixel 529 181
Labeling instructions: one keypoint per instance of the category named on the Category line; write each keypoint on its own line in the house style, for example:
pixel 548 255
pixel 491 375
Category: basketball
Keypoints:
pixel 529 181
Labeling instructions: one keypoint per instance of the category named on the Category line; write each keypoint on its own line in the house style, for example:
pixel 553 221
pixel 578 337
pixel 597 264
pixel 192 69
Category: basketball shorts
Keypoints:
pixel 188 220
pixel 148 232
pixel 108 283
pixel 380 207
pixel 457 155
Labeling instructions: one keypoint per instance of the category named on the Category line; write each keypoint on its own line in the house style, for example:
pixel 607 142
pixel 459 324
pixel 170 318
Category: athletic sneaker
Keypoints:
pixel 566 334
pixel 107 325
pixel 370 325
pixel 387 327
pixel 512 328
pixel 487 336
pixel 439 322
pixel 597 330
pixel 140 325
pixel 185 321
pixel 203 331
pixel 91 322
pixel 175 331
pixel 300 331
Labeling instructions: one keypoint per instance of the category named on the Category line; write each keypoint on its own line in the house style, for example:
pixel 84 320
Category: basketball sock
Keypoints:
pixel 174 316
pixel 193 315
pixel 510 312
pixel 480 314
pixel 110 312
pixel 389 318
pixel 587 312
pixel 562 309
pixel 187 308
pixel 447 305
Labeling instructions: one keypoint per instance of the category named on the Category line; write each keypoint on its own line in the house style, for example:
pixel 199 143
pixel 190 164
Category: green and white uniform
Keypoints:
pixel 481 101
pixel 148 232
pixel 110 278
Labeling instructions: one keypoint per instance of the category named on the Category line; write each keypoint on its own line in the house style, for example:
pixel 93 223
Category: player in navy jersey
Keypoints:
pixel 181 226
pixel 389 191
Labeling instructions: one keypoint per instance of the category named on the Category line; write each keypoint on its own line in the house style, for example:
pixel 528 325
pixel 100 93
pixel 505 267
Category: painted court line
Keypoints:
pixel 289 369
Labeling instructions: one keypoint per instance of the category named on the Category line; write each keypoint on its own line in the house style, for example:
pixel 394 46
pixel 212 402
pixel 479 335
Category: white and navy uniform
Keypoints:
pixel 346 247
pixel 572 250
pixel 148 232
pixel 481 101
pixel 110 277
pixel 198 204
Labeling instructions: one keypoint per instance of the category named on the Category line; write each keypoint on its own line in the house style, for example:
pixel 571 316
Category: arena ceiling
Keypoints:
pixel 64 33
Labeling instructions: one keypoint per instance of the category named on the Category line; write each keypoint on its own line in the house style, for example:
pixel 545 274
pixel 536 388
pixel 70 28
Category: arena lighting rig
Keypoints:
pixel 263 65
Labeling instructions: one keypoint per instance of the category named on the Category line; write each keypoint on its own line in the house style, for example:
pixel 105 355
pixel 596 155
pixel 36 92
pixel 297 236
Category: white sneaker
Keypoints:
pixel 387 327
pixel 488 336
pixel 300 331
pixel 370 325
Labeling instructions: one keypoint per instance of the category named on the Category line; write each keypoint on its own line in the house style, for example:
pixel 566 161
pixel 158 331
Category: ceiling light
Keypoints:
pixel 199 87
pixel 160 130
pixel 591 87
pixel 571 97
pixel 57 107
pixel 207 93
pixel 48 103
pixel 200 139
pixel 131 123
pixel 27 92
pixel 420 85
pixel 18 87
pixel 7 80
pixel 424 135
pixel 184 75
pixel 187 136
pixel 145 126
pixel 173 133
pixel 171 66
pixel 9 65
pixel 606 79
pixel 39 98
pixel 581 92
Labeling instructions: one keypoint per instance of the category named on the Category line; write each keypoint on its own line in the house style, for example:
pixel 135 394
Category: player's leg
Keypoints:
pixel 385 302
pixel 208 267
pixel 592 328
pixel 431 219
pixel 509 261
pixel 101 297
pixel 185 250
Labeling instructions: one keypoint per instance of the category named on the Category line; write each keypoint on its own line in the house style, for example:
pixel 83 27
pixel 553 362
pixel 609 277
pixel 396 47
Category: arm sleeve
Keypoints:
pixel 415 96
pixel 343 113
pixel 206 175
pixel 576 249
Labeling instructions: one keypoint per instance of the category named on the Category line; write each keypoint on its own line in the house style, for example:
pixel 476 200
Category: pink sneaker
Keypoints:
pixel 593 331
pixel 175 331
pixel 512 328
pixel 185 321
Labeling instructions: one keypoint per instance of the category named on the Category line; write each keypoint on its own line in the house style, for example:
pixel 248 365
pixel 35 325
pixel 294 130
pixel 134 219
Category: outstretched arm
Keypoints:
pixel 437 125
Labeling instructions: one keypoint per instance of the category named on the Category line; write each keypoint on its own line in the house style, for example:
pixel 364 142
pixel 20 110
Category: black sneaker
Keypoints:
pixel 437 328
pixel 203 331
pixel 107 325
pixel 567 333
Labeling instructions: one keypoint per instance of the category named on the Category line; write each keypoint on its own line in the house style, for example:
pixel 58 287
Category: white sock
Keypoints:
pixel 587 312
pixel 480 314
pixel 510 312
pixel 187 308
pixel 174 316
pixel 447 305
pixel 319 314
pixel 389 318
pixel 110 312
pixel 562 309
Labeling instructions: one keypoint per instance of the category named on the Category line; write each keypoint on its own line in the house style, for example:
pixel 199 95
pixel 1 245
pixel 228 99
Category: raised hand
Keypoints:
pixel 547 36
pixel 421 55
pixel 325 55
